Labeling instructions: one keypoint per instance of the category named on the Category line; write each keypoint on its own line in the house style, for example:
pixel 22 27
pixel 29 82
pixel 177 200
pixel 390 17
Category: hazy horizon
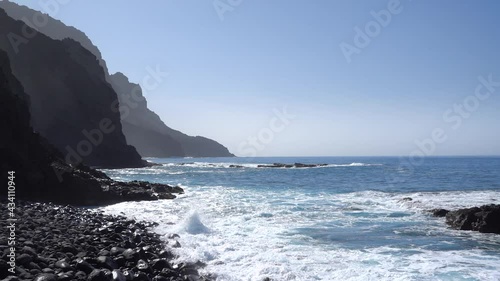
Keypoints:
pixel 307 79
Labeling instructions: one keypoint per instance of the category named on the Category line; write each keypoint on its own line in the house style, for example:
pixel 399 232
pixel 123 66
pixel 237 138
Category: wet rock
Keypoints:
pixel 142 265
pixel 11 278
pixel 116 251
pixel 64 276
pixel 161 278
pixel 106 262
pixel 45 277
pixel 117 275
pixel 130 254
pixel 484 219
pixel 64 265
pixel 141 276
pixel 439 212
pixel 98 275
pixel 129 275
pixel 159 264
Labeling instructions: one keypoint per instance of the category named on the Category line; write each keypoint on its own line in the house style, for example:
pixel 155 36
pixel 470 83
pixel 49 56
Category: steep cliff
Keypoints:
pixel 40 173
pixel 71 102
pixel 140 119
pixel 51 27
pixel 142 127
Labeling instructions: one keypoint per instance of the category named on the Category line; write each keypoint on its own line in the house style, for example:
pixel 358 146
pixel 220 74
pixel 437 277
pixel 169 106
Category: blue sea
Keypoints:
pixel 349 220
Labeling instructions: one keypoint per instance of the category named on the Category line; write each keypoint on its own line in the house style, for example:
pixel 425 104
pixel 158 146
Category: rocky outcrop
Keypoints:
pixel 162 140
pixel 439 213
pixel 71 102
pixel 295 165
pixel 484 219
pixel 41 174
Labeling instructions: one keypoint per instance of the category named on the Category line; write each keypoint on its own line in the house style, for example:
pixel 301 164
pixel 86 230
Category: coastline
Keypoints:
pixel 55 242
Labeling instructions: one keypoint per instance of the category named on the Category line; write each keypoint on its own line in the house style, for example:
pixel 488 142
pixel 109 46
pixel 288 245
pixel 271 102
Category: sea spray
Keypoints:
pixel 192 224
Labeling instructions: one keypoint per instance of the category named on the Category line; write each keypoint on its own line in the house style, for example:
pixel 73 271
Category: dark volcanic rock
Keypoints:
pixel 45 277
pixel 72 105
pixel 98 275
pixel 484 219
pixel 439 212
pixel 41 170
pixel 94 231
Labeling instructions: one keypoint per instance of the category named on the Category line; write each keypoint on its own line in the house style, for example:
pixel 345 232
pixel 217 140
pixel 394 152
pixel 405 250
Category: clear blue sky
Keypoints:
pixel 227 75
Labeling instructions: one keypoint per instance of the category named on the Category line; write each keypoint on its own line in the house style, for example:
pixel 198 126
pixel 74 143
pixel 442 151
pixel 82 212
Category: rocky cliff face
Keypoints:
pixel 51 27
pixel 157 138
pixel 71 102
pixel 41 174
pixel 142 127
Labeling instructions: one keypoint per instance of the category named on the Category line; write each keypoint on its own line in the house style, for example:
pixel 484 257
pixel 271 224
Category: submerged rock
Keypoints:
pixel 484 219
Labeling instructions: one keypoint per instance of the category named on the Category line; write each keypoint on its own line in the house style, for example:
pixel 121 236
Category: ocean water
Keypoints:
pixel 344 221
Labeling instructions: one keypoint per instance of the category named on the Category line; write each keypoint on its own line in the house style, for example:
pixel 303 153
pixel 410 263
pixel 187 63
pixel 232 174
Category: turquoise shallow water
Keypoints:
pixel 347 220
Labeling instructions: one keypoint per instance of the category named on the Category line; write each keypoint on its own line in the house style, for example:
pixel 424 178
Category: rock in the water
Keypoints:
pixel 484 219
pixel 439 212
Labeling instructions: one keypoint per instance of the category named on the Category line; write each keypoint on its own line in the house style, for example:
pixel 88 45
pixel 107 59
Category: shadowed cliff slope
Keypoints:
pixel 142 127
pixel 71 102
pixel 139 119
pixel 41 174
pixel 51 27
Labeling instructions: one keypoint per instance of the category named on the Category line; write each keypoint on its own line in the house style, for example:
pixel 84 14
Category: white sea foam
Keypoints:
pixel 353 165
pixel 248 234
pixel 234 165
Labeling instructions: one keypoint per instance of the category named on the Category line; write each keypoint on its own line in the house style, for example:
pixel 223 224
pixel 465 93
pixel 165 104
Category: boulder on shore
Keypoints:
pixel 485 219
